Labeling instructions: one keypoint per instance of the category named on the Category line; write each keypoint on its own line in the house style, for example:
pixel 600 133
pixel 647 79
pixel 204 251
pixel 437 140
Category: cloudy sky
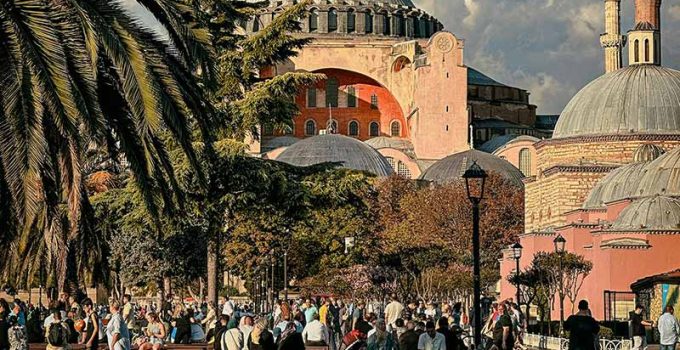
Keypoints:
pixel 549 47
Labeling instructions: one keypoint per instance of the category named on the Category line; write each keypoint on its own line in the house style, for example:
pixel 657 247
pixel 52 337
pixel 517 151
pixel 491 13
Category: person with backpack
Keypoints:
pixel 17 335
pixel 91 333
pixel 57 333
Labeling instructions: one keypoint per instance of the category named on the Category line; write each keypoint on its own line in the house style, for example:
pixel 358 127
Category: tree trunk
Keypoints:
pixel 212 272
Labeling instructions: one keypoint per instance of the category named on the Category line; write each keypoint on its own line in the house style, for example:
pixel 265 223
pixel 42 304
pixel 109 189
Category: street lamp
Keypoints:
pixel 560 243
pixel 349 244
pixel 475 177
pixel 273 298
pixel 285 275
pixel 517 254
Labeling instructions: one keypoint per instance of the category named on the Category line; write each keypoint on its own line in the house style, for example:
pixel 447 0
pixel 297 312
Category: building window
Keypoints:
pixel 353 128
pixel 386 24
pixel 395 129
pixel 332 20
pixel 351 97
pixel 374 129
pixel 525 161
pixel 313 21
pixel 646 50
pixel 401 25
pixel 369 22
pixel 390 160
pixel 310 128
pixel 332 92
pixel 402 170
pixel 374 101
pixel 311 97
pixel 332 127
pixel 351 21
pixel 636 50
pixel 416 27
pixel 256 24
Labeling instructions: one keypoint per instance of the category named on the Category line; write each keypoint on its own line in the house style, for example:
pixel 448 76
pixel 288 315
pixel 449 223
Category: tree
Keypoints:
pixel 79 72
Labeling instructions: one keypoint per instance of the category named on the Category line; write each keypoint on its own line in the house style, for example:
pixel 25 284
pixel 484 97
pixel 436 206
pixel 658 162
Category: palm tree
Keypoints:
pixel 80 72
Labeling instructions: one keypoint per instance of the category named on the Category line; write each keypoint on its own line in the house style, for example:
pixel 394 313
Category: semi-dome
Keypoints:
pixel 499 142
pixel 639 99
pixel 623 182
pixel 390 142
pixel 655 213
pixel 661 176
pixel 350 152
pixel 452 167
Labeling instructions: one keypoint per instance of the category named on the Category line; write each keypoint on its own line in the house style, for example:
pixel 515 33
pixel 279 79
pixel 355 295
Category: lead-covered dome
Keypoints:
pixel 655 213
pixel 639 99
pixel 452 167
pixel 662 176
pixel 351 153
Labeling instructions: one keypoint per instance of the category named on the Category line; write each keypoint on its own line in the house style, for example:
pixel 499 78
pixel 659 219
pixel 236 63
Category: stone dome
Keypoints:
pixel 350 152
pixel 655 213
pixel 278 142
pixel 452 167
pixel 661 176
pixel 390 142
pixel 639 99
pixel 623 182
pixel 499 142
pixel 647 152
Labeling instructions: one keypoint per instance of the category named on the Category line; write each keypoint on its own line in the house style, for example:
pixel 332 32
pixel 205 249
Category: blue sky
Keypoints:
pixel 549 47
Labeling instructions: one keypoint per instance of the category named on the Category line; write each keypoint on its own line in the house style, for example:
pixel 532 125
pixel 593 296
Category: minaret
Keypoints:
pixel 645 38
pixel 612 41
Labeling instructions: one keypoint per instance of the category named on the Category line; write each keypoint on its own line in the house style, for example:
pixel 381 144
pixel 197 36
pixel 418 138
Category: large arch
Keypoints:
pixel 366 92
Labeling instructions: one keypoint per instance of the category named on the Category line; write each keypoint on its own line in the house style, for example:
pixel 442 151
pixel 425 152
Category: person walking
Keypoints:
pixel 409 339
pixel 91 334
pixel 393 312
pixel 116 330
pixel 315 332
pixel 503 334
pixel 583 329
pixel 431 340
pixel 4 325
pixel 639 332
pixel 669 329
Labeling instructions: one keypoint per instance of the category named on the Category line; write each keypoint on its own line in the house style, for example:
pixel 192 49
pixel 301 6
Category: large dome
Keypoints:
pixel 351 153
pixel 639 99
pixel 452 167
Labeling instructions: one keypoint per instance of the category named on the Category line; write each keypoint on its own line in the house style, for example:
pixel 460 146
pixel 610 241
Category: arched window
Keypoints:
pixel 310 128
pixel 636 51
pixel 351 97
pixel 332 20
pixel 313 21
pixel 332 127
pixel 351 21
pixel 646 50
pixel 395 129
pixel 369 22
pixel 374 129
pixel 311 97
pixel 386 24
pixel 353 128
pixel 332 92
pixel 402 170
pixel 401 24
pixel 525 161
pixel 391 161
pixel 256 24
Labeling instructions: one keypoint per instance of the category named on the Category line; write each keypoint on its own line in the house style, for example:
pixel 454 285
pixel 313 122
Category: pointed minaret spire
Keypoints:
pixel 612 41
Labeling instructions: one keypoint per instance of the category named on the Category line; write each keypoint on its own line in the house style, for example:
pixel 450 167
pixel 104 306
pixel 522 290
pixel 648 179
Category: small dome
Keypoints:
pixel 390 142
pixel 351 153
pixel 661 176
pixel 619 184
pixel 647 153
pixel 656 213
pixel 641 99
pixel 278 142
pixel 452 167
pixel 499 142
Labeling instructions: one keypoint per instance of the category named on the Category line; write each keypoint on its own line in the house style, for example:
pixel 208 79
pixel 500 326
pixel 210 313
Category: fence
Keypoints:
pixel 553 343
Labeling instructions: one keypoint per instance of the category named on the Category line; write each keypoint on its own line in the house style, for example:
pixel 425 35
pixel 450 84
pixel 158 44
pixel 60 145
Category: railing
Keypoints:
pixel 553 343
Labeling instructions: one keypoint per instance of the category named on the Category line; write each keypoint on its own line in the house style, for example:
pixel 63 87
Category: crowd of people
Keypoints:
pixel 328 323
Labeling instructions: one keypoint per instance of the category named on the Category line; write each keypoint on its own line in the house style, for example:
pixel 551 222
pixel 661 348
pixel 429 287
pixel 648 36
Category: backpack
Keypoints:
pixel 17 338
pixel 57 335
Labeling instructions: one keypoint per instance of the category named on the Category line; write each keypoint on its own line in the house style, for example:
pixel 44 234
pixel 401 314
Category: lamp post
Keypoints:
pixel 475 177
pixel 517 254
pixel 273 298
pixel 285 275
pixel 560 243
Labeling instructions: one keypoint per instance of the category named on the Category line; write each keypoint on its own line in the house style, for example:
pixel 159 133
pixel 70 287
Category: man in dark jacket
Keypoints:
pixel 409 339
pixel 451 343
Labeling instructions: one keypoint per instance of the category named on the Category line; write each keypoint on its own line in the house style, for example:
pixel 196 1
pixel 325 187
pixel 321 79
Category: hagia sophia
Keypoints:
pixel 400 98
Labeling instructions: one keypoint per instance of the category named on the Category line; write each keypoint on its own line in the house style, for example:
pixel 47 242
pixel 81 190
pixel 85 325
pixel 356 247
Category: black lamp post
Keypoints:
pixel 560 244
pixel 273 297
pixel 475 177
pixel 517 254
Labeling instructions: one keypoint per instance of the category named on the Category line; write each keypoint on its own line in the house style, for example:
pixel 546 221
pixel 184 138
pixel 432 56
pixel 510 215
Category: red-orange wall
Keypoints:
pixel 388 108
